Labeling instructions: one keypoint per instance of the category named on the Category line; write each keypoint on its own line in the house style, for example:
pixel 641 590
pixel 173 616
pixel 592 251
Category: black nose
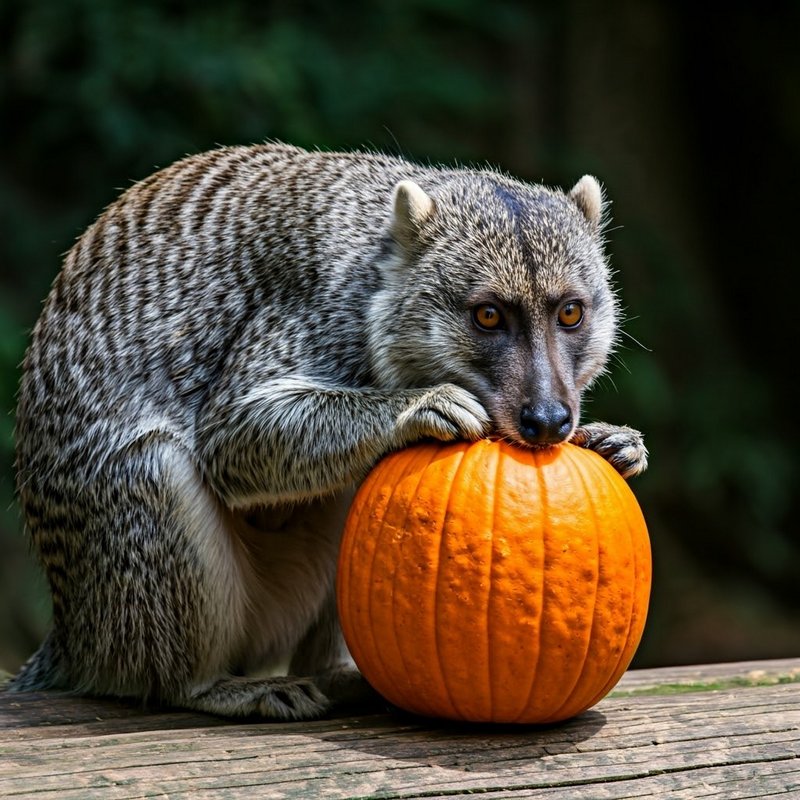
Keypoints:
pixel 548 422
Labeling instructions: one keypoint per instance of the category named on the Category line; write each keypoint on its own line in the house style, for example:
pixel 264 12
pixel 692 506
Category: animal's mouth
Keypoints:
pixel 513 436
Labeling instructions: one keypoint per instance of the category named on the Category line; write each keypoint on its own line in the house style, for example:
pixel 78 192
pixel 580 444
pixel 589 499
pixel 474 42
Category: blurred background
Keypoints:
pixel 690 120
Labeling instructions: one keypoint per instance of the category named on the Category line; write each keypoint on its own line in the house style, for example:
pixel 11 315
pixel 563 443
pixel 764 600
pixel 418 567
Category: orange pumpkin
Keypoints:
pixel 491 583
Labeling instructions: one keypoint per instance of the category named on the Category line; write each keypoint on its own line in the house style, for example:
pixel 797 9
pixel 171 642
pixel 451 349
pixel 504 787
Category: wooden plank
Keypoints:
pixel 736 742
pixel 725 674
pixel 63 715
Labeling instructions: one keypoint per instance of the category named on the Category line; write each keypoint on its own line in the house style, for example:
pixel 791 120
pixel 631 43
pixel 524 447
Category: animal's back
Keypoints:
pixel 150 299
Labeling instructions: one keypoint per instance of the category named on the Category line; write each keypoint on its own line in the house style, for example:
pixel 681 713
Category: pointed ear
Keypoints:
pixel 588 196
pixel 411 209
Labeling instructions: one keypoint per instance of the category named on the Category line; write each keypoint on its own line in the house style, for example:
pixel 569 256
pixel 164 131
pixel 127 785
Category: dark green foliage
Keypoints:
pixel 692 126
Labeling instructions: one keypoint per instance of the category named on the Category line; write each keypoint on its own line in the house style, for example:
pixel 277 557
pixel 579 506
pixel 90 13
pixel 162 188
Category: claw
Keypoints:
pixel 621 446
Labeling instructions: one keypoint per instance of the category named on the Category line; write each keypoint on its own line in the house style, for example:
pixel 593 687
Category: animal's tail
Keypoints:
pixel 39 672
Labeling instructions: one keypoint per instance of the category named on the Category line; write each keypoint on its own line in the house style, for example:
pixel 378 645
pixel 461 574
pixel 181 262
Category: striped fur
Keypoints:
pixel 225 353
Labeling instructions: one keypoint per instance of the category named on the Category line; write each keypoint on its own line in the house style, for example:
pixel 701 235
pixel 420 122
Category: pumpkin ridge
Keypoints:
pixel 642 571
pixel 393 474
pixel 434 453
pixel 497 450
pixel 579 470
pixel 439 590
pixel 363 636
pixel 543 498
pixel 627 652
pixel 355 643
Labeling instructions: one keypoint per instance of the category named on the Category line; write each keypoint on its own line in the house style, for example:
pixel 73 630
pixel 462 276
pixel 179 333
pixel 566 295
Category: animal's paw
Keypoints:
pixel 279 698
pixel 446 412
pixel 621 446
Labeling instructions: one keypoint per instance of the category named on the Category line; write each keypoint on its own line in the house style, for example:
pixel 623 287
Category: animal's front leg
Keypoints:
pixel 292 439
pixel 621 446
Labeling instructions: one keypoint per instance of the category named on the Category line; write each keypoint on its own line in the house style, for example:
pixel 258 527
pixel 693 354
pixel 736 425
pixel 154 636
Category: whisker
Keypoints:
pixel 636 341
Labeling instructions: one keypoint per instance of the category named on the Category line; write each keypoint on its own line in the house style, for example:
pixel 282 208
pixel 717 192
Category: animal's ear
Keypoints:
pixel 588 196
pixel 411 209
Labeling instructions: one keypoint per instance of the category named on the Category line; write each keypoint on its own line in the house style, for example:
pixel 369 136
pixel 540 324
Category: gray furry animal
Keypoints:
pixel 229 349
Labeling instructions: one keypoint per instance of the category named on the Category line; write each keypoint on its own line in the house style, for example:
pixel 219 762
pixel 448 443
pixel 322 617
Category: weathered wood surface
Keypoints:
pixel 722 731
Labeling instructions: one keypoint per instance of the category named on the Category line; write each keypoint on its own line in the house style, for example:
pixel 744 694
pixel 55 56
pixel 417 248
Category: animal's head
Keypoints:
pixel 502 288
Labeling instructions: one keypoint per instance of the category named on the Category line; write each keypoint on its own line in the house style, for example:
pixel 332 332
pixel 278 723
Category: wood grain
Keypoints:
pixel 736 741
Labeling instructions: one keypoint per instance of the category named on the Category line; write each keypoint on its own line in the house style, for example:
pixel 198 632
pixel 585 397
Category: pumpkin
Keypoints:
pixel 491 583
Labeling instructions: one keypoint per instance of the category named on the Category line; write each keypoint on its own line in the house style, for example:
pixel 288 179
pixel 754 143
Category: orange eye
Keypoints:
pixel 487 317
pixel 570 314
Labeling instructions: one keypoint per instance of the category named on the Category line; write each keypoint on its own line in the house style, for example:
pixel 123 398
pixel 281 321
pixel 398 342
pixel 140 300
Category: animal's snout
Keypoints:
pixel 547 422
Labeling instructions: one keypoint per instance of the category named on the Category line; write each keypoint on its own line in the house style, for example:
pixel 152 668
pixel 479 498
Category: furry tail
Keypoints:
pixel 39 672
